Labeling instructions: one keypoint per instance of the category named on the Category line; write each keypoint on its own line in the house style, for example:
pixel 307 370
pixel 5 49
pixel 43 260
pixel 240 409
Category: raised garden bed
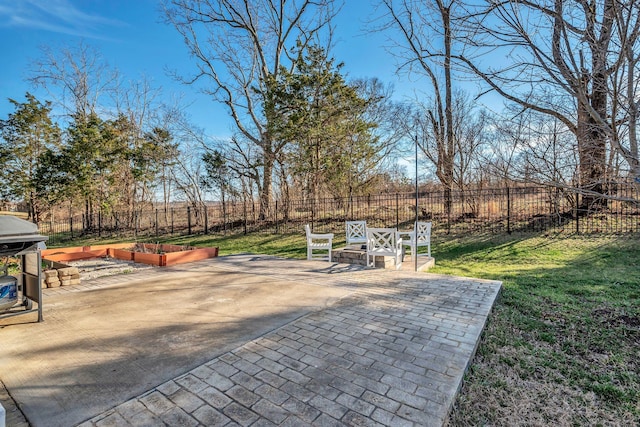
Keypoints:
pixel 146 253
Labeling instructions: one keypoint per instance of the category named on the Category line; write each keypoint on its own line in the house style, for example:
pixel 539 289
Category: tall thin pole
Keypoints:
pixel 414 249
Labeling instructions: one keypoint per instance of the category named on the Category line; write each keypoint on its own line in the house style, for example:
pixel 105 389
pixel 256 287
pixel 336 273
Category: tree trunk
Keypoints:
pixel 224 211
pixel 87 213
pixel 265 191
pixel 448 161
pixel 634 161
pixel 33 213
pixel 286 196
pixel 592 140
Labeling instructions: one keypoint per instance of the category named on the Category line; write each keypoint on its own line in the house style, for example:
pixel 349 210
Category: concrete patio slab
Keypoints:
pixel 247 340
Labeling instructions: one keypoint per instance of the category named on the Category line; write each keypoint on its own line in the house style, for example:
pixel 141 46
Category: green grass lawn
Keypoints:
pixel 562 346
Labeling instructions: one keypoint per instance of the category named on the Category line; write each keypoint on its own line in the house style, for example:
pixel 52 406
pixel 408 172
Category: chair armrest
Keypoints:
pixel 408 233
pixel 321 236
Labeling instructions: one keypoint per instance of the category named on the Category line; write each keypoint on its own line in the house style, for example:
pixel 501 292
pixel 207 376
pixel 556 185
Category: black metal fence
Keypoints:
pixel 493 210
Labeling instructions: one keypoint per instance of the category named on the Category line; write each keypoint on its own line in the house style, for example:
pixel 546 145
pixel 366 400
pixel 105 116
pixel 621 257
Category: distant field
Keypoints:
pixel 22 215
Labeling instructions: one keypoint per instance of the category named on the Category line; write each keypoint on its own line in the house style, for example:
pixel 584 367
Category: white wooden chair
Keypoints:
pixel 384 242
pixel 356 232
pixel 318 242
pixel 420 236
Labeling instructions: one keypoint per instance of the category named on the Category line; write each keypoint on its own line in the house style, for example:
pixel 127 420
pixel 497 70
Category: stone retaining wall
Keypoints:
pixel 356 255
pixel 60 275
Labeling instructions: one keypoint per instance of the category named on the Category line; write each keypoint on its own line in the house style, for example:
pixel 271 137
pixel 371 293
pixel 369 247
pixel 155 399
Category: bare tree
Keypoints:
pixel 425 46
pixel 187 174
pixel 390 130
pixel 468 130
pixel 625 85
pixel 75 77
pixel 558 58
pixel 529 147
pixel 470 134
pixel 238 45
pixel 503 154
pixel 153 127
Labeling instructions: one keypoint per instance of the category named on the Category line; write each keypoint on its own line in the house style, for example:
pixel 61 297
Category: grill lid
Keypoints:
pixel 17 235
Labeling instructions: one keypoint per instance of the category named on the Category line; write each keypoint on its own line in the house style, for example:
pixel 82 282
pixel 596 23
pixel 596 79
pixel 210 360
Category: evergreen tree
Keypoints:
pixel 26 135
pixel 322 118
pixel 89 162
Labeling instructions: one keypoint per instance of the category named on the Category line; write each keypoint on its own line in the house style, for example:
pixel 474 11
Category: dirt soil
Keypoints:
pixel 99 267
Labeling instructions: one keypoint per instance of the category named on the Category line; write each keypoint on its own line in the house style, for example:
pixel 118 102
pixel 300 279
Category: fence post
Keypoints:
pixel 276 219
pixel 71 226
pixel 189 220
pixel 508 210
pixel 99 223
pixel 157 222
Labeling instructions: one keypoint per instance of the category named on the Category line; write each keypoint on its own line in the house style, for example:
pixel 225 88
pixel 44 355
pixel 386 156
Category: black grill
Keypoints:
pixel 18 235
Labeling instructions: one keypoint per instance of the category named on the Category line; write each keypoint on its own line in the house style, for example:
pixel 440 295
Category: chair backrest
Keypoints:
pixel 356 232
pixel 382 241
pixel 423 232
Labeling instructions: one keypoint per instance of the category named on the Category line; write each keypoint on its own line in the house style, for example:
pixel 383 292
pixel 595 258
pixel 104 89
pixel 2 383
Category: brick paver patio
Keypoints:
pixel 393 353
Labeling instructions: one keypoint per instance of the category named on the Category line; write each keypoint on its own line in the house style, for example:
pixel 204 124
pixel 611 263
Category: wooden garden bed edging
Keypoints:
pixel 173 254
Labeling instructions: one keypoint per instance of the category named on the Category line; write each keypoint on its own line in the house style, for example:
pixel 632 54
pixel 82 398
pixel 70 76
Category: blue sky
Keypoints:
pixel 131 36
